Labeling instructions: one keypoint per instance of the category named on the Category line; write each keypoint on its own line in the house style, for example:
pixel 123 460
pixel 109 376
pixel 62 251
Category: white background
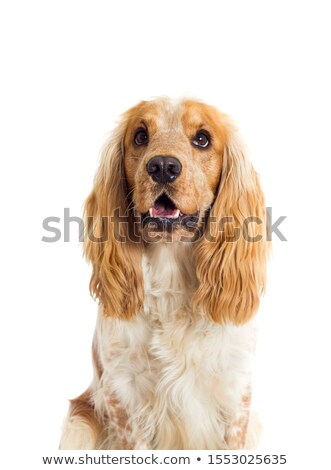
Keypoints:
pixel 68 69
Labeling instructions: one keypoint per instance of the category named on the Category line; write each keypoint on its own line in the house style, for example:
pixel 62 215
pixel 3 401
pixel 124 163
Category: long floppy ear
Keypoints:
pixel 231 257
pixel 116 259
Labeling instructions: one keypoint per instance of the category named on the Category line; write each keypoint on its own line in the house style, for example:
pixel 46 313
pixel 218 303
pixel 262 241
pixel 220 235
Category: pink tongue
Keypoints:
pixel 159 210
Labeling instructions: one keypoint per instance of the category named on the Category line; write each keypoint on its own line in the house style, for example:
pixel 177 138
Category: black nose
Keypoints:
pixel 164 169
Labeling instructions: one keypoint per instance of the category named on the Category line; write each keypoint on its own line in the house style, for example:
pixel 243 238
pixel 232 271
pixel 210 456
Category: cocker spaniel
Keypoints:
pixel 176 235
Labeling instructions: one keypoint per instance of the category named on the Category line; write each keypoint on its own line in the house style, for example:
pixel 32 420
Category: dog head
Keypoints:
pixel 177 173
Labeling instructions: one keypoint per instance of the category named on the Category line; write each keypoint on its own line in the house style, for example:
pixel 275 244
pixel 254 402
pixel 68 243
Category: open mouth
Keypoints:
pixel 165 213
pixel 164 208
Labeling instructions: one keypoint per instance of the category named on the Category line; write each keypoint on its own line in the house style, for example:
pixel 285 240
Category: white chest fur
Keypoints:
pixel 180 377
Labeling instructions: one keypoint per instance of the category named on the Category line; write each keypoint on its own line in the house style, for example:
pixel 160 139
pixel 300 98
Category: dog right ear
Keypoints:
pixel 116 280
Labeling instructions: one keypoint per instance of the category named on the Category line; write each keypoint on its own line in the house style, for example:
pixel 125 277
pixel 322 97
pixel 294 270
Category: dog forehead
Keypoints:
pixel 165 116
pixel 168 113
pixel 179 114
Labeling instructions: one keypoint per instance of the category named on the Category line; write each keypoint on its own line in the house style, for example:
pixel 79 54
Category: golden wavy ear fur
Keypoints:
pixel 231 256
pixel 116 260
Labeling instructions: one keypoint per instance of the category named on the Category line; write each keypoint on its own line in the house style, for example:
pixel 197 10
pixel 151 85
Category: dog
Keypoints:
pixel 176 235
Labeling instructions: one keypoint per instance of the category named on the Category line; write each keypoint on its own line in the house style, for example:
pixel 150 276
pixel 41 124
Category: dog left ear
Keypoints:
pixel 231 256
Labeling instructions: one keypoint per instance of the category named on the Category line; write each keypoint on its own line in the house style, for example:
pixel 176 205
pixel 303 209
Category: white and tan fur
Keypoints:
pixel 168 377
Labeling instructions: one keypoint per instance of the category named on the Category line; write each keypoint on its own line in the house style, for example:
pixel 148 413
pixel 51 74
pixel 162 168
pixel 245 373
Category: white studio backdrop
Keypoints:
pixel 69 68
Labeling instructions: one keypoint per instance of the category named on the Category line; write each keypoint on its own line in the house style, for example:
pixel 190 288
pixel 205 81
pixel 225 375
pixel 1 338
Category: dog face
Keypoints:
pixel 180 171
pixel 173 161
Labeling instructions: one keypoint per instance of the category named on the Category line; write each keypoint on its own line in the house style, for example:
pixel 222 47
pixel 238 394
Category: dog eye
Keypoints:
pixel 201 139
pixel 141 137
